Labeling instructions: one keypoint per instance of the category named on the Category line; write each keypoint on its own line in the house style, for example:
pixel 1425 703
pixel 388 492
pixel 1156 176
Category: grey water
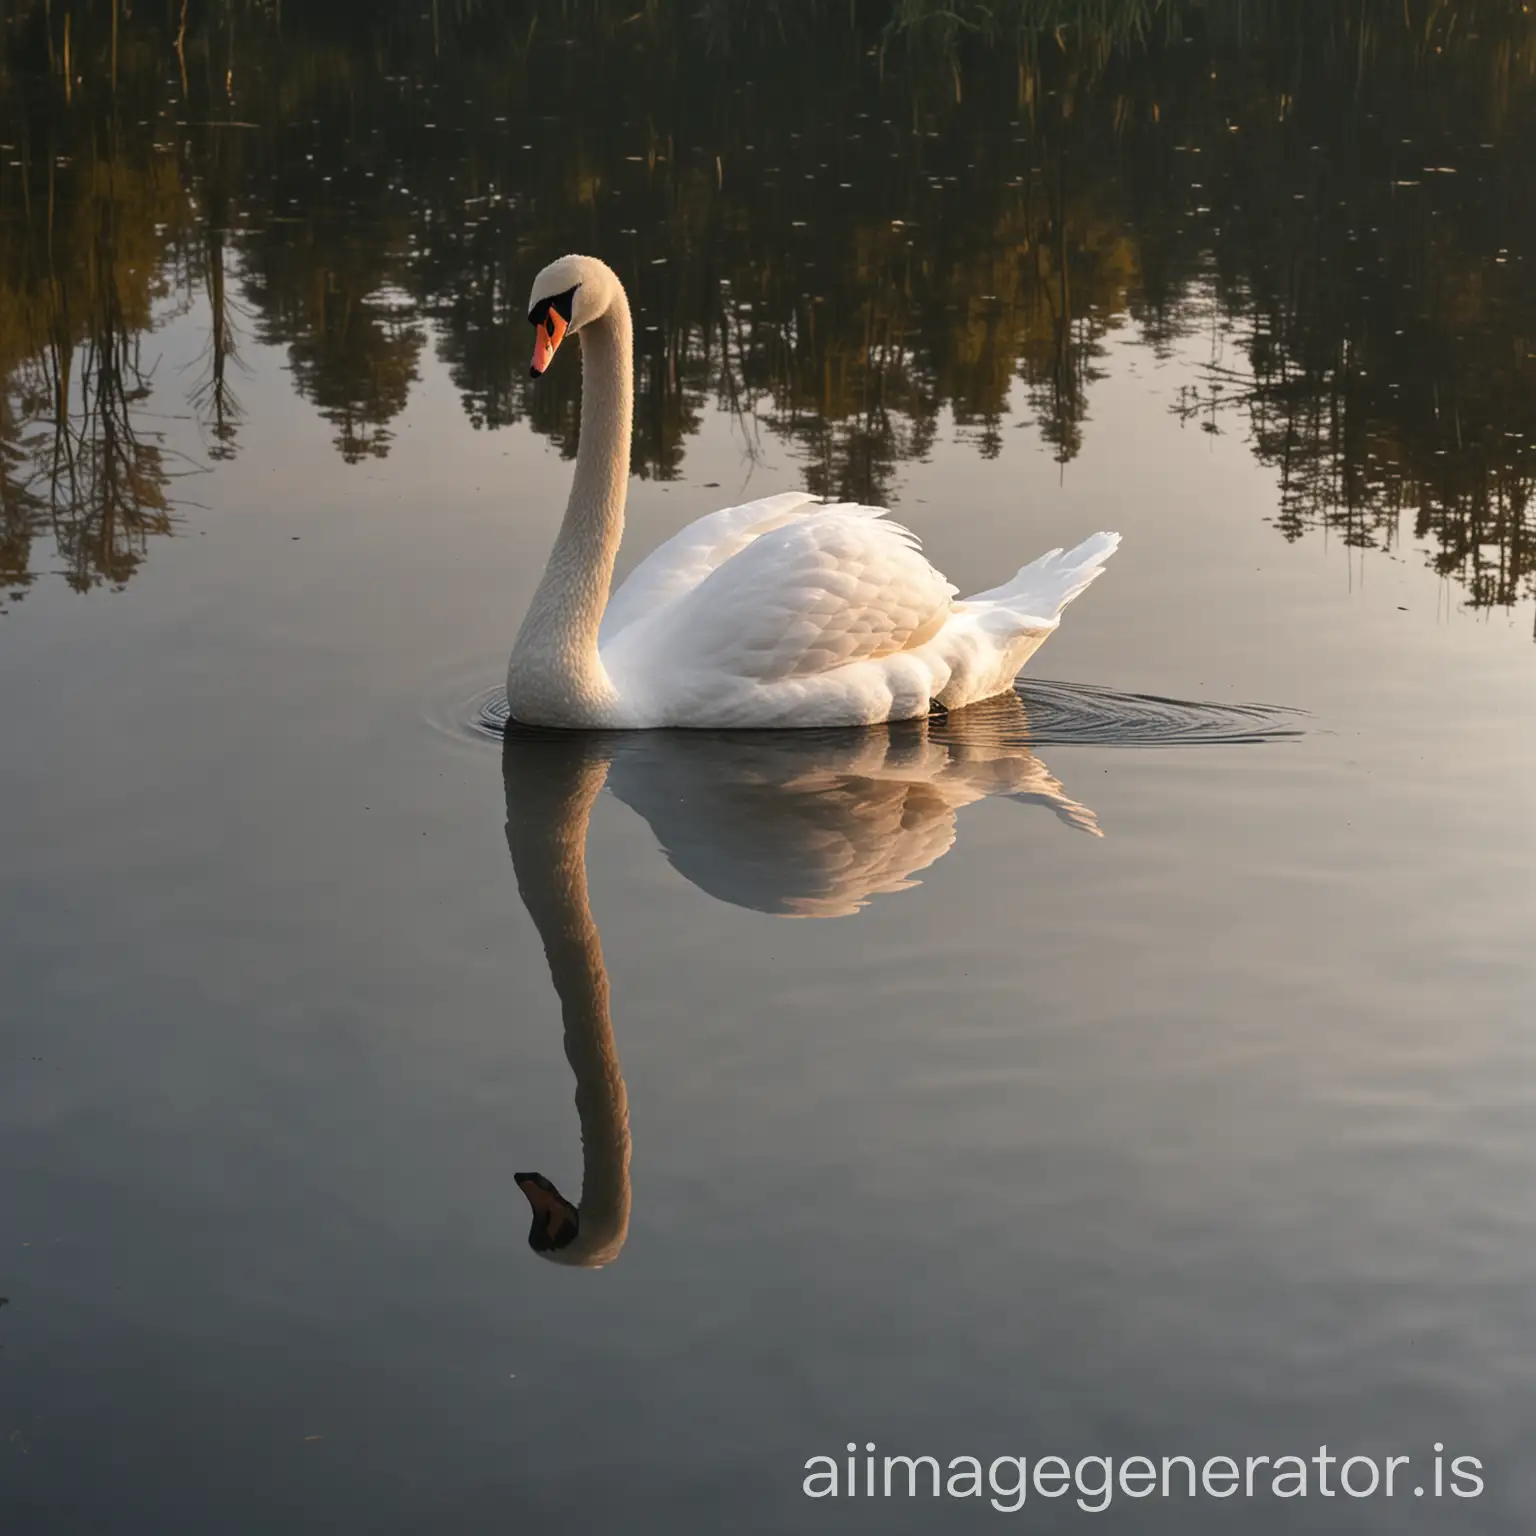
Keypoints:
pixel 1140 1064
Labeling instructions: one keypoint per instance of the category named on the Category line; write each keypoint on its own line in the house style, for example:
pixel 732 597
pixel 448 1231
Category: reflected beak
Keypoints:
pixel 555 1220
pixel 547 335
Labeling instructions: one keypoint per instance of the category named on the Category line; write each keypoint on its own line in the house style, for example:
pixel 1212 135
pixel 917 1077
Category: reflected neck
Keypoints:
pixel 547 835
pixel 556 676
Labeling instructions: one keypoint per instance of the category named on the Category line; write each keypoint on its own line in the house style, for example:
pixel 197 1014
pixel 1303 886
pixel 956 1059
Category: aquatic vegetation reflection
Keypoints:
pixel 869 224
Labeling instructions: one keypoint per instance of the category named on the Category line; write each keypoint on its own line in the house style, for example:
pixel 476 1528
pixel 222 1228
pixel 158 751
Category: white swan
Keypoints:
pixel 780 612
pixel 809 825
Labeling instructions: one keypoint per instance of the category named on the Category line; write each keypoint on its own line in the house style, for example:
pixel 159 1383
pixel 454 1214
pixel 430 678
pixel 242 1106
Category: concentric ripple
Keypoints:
pixel 1081 714
pixel 488 714
pixel 1054 714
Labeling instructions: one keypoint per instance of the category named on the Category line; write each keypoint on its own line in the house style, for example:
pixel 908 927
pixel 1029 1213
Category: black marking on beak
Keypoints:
pixel 553 318
pixel 555 1220
pixel 561 303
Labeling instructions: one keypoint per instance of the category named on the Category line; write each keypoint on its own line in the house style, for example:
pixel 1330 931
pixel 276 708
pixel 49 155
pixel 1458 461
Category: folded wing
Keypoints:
pixel 834 585
pixel 676 567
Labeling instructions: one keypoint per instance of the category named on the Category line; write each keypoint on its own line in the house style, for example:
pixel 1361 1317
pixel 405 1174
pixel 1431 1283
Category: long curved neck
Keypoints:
pixel 547 815
pixel 555 673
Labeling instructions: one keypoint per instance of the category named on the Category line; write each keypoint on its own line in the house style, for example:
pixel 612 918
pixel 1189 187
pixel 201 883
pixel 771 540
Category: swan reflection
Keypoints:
pixel 798 823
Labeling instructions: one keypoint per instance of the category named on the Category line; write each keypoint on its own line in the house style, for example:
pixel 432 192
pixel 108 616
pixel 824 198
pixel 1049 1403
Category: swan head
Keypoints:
pixel 568 294
pixel 557 1232
pixel 556 1222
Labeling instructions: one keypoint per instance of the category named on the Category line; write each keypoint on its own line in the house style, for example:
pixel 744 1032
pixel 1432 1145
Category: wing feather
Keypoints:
pixel 683 561
pixel 835 585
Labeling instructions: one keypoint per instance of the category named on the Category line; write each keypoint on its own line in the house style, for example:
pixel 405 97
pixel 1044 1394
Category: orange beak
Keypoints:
pixel 546 337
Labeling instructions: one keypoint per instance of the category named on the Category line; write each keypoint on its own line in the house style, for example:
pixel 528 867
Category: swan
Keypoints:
pixel 797 824
pixel 786 611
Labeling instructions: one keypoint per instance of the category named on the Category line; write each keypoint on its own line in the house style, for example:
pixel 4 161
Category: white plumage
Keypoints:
pixel 787 612
pixel 780 612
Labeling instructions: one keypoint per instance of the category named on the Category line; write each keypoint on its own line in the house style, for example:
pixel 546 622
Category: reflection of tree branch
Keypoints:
pixel 742 407
pixel 117 480
pixel 1344 465
pixel 212 397
pixel 94 478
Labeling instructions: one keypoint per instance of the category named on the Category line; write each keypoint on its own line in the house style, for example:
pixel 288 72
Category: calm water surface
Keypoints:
pixel 1096 1074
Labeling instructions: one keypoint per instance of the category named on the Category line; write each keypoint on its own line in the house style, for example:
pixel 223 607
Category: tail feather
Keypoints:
pixel 1045 586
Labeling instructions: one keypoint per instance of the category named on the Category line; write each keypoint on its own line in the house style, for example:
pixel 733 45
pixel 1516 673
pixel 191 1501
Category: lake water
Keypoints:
pixel 1144 1066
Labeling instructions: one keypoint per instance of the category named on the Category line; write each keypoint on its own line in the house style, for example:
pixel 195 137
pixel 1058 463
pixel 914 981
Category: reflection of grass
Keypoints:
pixel 1102 25
pixel 871 217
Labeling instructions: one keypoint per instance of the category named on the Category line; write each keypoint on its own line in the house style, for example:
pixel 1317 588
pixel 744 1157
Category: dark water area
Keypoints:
pixel 1139 1063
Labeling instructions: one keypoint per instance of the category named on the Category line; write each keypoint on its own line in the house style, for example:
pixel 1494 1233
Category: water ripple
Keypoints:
pixel 1054 714
pixel 1082 714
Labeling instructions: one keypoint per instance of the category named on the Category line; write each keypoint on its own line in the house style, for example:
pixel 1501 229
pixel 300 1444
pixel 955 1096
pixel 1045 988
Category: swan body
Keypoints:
pixel 786 611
